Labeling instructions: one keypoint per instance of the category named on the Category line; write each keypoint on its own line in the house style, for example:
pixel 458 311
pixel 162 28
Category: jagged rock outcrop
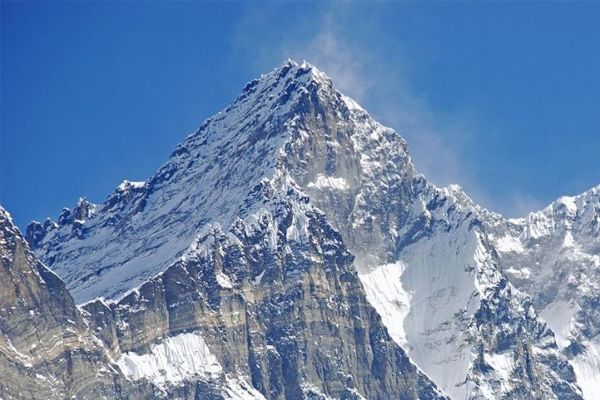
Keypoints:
pixel 279 302
pixel 554 256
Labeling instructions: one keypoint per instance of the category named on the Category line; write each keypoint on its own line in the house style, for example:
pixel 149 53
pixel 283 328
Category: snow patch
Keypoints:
pixel 385 293
pixel 522 273
pixel 351 104
pixel 239 389
pixel 329 182
pixel 508 244
pixel 123 186
pixel 224 281
pixel 171 362
pixel 258 278
pixel 559 317
pixel 502 364
pixel 569 203
pixel 587 370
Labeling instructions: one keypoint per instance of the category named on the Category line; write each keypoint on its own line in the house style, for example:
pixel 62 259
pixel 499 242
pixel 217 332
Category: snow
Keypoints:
pixel 146 227
pixel 508 244
pixel 426 290
pixel 224 281
pixel 502 365
pixel 182 358
pixel 522 273
pixel 258 279
pixel 587 370
pixel 538 226
pixel 125 185
pixel 384 290
pixel 569 241
pixel 560 263
pixel 329 182
pixel 559 316
pixel 351 104
pixel 569 203
pixel 171 362
pixel 440 277
pixel 239 389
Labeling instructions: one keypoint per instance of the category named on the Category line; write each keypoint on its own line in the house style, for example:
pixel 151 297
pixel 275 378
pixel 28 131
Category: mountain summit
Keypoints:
pixel 292 246
pixel 144 227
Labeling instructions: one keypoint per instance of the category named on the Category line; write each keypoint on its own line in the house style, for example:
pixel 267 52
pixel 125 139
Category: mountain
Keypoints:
pixel 222 254
pixel 49 349
pixel 289 249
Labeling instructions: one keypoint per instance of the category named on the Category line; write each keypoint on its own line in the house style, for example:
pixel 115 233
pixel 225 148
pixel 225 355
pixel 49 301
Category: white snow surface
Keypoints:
pixel 383 286
pixel 182 358
pixel 440 275
pixel 329 182
pixel 587 370
pixel 172 362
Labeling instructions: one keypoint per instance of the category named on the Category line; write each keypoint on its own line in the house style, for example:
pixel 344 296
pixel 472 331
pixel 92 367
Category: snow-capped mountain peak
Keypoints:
pixel 214 170
pixel 299 177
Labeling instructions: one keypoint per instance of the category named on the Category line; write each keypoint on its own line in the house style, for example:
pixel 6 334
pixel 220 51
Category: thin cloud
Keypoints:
pixel 437 142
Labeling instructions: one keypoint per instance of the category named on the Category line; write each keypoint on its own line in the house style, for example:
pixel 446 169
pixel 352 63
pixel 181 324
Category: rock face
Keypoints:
pixel 280 304
pixel 288 249
pixel 46 349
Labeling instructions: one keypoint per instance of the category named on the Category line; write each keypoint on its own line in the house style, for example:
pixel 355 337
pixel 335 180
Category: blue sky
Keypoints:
pixel 503 99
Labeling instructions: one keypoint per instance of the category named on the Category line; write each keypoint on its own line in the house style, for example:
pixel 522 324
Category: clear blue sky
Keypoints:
pixel 503 99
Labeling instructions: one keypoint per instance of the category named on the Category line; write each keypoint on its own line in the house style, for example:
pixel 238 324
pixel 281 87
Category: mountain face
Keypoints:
pixel 289 249
pixel 46 348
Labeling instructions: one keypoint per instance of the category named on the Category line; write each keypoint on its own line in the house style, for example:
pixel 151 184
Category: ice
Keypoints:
pixel 171 362
pixel 587 370
pixel 330 182
pixel 384 290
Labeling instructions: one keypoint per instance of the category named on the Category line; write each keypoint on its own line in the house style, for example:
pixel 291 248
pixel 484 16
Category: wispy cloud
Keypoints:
pixel 382 84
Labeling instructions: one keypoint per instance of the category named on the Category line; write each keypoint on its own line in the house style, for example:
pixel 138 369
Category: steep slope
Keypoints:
pixel 272 214
pixel 278 301
pixel 223 244
pixel 46 349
